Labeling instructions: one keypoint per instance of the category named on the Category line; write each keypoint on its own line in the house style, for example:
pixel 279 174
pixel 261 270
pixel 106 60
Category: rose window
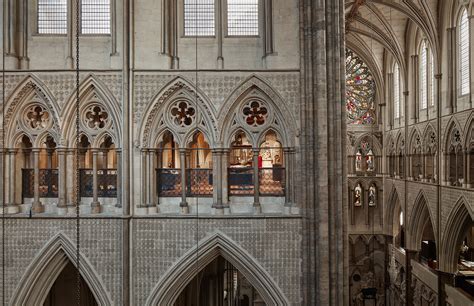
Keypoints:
pixel 96 117
pixel 183 114
pixel 255 114
pixel 37 117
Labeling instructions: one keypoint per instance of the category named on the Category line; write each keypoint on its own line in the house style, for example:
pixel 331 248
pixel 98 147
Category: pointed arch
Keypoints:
pixel 217 244
pixel 394 205
pixel 152 114
pixel 459 220
pixel 30 90
pixel 377 147
pixel 46 267
pixel 91 86
pixel 452 124
pixel 427 132
pixel 419 218
pixel 283 115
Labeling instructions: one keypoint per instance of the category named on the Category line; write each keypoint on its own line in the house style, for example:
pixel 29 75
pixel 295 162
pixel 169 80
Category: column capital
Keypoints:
pixel 95 151
pixel 35 150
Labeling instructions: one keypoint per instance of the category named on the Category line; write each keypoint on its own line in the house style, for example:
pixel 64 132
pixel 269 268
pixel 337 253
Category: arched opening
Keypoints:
pixel 466 262
pixel 219 283
pixel 365 160
pixel 455 159
pixel 271 166
pixel 416 159
pixel 428 245
pixel 199 167
pixel 64 289
pixel 27 172
pixel 240 171
pixel 398 228
pixel 168 172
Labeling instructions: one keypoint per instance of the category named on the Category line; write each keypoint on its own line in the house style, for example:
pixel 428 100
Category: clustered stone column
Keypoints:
pixel 217 155
pixel 37 206
pixel 62 180
pixel 256 182
pixel 184 204
pixel 95 205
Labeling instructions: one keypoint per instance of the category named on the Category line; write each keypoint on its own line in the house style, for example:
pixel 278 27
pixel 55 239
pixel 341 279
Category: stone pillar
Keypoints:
pixel 410 255
pixel 466 176
pixel 149 181
pixel 119 178
pixel 159 156
pixel 444 278
pixel 225 178
pixel 256 182
pixel 144 170
pixel 37 206
pixel 95 205
pixel 323 174
pixel 288 160
pixel 62 193
pixel 184 204
pixel 2 176
pixel 217 155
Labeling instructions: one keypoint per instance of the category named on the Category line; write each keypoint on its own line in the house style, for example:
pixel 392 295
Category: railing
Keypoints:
pixel 106 183
pixel 240 181
pixel 48 183
pixel 168 182
pixel 272 181
pixel 199 182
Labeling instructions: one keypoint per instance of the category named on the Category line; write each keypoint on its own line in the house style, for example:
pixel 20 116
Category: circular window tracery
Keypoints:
pixel 95 117
pixel 255 113
pixel 183 114
pixel 37 117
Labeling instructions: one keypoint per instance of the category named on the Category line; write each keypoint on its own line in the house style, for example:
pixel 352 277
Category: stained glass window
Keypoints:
pixel 360 91
pixel 464 53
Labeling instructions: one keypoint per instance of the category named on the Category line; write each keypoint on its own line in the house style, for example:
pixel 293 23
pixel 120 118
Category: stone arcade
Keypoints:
pixel 237 152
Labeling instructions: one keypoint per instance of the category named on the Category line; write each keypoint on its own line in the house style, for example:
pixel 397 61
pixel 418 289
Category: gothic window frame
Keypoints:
pixel 225 20
pixel 397 92
pixel 463 53
pixel 195 34
pixel 63 30
pixel 360 109
pixel 81 16
pixel 455 154
pixel 423 73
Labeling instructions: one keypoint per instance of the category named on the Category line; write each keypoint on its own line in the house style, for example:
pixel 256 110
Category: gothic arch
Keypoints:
pixel 393 206
pixel 153 114
pixel 429 129
pixel 30 91
pixel 453 124
pixel 90 90
pixel 177 277
pixel 283 116
pixel 45 268
pixel 419 218
pixel 459 220
pixel 377 148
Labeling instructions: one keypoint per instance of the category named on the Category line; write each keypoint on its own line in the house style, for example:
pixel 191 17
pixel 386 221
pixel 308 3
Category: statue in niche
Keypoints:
pixel 358 195
pixel 358 161
pixel 370 160
pixel 372 196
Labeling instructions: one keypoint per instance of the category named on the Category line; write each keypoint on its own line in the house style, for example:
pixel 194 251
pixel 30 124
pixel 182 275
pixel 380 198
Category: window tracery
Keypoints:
pixel 255 113
pixel 182 114
pixel 96 117
pixel 37 117
pixel 463 51
pixel 360 91
pixel 455 158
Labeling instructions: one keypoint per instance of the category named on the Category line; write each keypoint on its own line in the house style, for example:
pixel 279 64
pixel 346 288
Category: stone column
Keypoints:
pixel 323 130
pixel 256 182
pixel 37 206
pixel 184 205
pixel 149 181
pixel 95 205
pixel 144 170
pixel 225 181
pixel 2 176
pixel 423 172
pixel 119 178
pixel 410 254
pixel 217 181
pixel 159 156
pixel 466 169
pixel 62 193
pixel 288 160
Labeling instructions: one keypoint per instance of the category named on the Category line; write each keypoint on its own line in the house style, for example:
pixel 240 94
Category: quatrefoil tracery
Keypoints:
pixel 96 117
pixel 183 114
pixel 255 114
pixel 37 118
